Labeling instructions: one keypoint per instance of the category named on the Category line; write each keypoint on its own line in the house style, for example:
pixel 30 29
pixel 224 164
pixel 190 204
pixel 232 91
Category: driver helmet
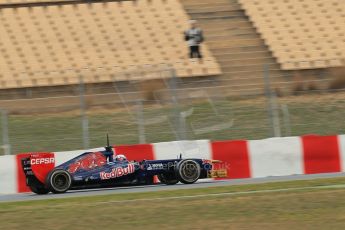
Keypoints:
pixel 120 158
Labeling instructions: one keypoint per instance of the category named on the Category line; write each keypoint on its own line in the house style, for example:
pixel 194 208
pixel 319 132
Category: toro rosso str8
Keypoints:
pixel 102 169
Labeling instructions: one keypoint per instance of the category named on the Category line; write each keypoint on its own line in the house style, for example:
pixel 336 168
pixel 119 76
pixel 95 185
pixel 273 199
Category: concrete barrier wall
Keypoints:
pixel 8 178
pixel 242 158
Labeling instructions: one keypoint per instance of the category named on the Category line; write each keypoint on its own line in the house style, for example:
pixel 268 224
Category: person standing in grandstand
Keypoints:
pixel 194 37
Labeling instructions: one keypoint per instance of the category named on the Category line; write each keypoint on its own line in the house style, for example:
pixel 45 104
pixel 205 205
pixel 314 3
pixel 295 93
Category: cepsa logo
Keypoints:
pixel 39 161
pixel 117 172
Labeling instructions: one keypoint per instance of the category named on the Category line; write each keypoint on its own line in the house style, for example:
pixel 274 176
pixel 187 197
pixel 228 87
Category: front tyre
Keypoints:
pixel 59 181
pixel 188 171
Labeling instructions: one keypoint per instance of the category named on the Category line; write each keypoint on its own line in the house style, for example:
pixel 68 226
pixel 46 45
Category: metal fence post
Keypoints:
pixel 177 114
pixel 273 113
pixel 84 117
pixel 287 121
pixel 141 124
pixel 183 125
pixel 5 138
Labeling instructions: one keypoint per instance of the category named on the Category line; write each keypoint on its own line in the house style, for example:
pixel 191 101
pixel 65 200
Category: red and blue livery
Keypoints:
pixel 105 169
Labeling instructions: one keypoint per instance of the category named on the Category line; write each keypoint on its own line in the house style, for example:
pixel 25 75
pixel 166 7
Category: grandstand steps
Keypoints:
pixel 216 14
pixel 203 3
pixel 255 67
pixel 241 49
pixel 228 27
pixel 228 31
pixel 246 61
pixel 218 8
pixel 234 41
pixel 224 35
pixel 228 55
pixel 216 23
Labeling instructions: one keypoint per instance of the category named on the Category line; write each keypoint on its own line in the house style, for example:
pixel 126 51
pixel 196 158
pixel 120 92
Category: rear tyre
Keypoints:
pixel 168 179
pixel 39 190
pixel 188 171
pixel 59 181
pixel 36 186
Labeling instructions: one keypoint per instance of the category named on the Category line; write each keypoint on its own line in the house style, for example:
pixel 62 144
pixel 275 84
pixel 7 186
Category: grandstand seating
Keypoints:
pixel 13 2
pixel 302 34
pixel 55 44
pixel 238 47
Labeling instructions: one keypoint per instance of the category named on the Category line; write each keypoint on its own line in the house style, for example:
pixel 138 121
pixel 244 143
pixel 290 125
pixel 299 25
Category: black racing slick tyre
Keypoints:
pixel 36 186
pixel 188 171
pixel 59 181
pixel 39 190
pixel 168 179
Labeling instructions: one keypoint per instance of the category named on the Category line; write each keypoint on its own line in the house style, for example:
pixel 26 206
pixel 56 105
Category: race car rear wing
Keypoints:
pixel 26 166
pixel 38 165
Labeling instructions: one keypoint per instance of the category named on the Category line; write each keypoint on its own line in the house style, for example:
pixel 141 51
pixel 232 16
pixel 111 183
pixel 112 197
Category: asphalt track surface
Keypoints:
pixel 159 187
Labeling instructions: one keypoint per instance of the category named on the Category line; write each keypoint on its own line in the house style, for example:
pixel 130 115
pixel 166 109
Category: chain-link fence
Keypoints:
pixel 172 110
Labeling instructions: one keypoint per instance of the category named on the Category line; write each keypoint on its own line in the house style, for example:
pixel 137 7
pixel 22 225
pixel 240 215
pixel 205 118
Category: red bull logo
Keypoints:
pixel 117 172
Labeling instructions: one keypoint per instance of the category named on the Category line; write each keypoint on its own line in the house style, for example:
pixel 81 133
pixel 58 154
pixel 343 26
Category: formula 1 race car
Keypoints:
pixel 104 169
